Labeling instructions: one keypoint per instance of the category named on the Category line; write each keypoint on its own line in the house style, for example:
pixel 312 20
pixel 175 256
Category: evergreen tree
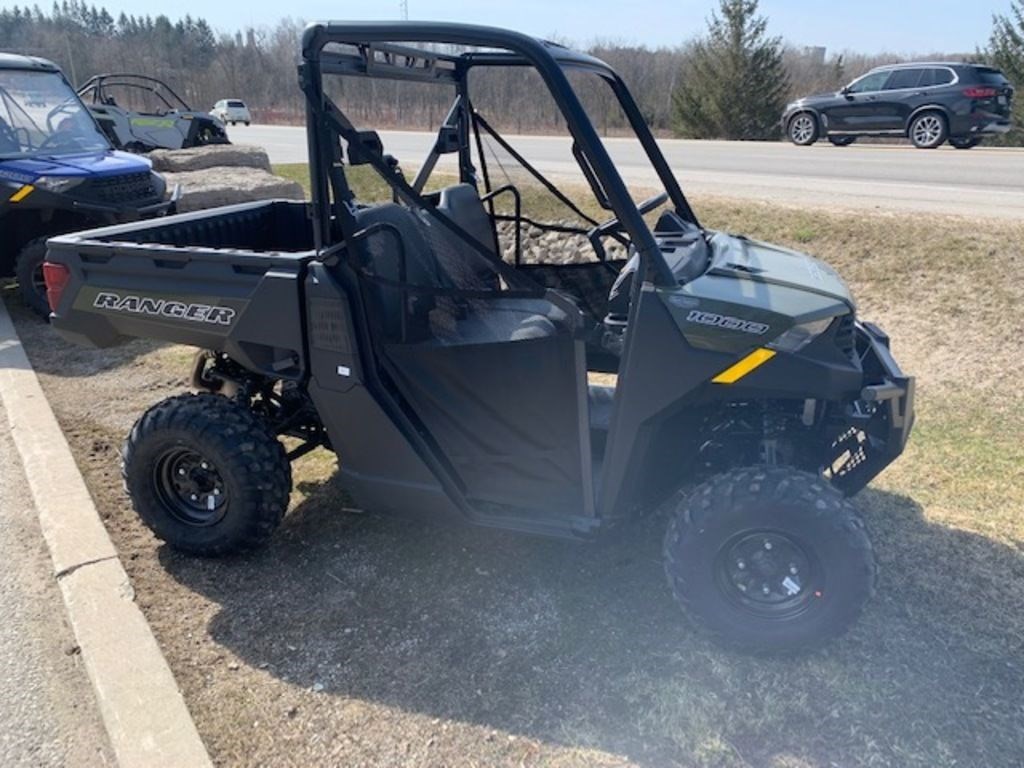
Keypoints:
pixel 1006 51
pixel 734 86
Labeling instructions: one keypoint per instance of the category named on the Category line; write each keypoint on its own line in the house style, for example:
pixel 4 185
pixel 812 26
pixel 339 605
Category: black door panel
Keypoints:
pixel 857 108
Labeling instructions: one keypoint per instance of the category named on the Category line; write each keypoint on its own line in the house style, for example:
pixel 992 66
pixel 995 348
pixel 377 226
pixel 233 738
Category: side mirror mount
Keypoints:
pixel 369 144
pixel 845 91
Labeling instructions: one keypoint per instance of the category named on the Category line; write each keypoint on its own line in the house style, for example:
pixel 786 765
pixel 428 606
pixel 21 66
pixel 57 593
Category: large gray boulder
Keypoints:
pixel 213 187
pixel 210 156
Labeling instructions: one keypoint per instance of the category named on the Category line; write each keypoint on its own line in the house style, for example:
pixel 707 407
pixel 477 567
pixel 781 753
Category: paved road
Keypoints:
pixel 48 714
pixel 979 182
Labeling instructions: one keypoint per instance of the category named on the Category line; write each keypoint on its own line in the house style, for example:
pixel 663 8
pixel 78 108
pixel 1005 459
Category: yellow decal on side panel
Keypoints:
pixel 735 372
pixel 21 194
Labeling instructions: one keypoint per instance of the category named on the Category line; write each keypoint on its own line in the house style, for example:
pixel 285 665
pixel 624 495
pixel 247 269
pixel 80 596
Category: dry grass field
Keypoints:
pixel 359 639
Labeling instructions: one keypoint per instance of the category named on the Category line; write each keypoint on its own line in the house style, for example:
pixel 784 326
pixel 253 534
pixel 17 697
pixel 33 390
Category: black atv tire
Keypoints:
pixel 28 268
pixel 928 130
pixel 769 560
pixel 207 136
pixel 803 129
pixel 965 143
pixel 206 475
pixel 842 141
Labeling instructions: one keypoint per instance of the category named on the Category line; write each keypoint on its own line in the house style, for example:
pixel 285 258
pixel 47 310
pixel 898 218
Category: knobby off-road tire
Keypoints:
pixel 769 560
pixel 206 475
pixel 28 268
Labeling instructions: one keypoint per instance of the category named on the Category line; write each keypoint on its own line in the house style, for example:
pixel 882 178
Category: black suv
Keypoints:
pixel 927 102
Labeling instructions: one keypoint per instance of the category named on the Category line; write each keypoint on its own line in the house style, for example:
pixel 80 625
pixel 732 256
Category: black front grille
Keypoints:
pixel 845 335
pixel 117 190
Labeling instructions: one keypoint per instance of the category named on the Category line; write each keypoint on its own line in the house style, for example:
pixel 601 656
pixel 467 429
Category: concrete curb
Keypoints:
pixel 142 709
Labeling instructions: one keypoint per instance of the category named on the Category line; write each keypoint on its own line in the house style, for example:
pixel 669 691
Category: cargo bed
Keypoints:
pixel 189 279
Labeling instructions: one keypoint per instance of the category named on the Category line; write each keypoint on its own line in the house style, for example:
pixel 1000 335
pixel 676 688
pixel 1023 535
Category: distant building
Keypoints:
pixel 815 54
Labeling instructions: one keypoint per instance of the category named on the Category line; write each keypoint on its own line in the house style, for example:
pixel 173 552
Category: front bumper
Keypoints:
pixel 125 213
pixel 880 421
pixel 111 213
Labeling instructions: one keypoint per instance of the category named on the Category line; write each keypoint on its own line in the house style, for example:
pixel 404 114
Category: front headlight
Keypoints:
pixel 159 184
pixel 57 184
pixel 799 336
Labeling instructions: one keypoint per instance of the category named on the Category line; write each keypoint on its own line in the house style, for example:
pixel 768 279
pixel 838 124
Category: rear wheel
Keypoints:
pixel 769 559
pixel 842 141
pixel 29 270
pixel 928 130
pixel 803 129
pixel 965 143
pixel 206 475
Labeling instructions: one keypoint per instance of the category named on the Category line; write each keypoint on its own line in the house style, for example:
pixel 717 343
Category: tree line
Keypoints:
pixel 731 82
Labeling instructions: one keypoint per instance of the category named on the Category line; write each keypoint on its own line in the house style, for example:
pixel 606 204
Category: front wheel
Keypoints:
pixel 803 129
pixel 965 143
pixel 769 560
pixel 928 130
pixel 28 268
pixel 206 475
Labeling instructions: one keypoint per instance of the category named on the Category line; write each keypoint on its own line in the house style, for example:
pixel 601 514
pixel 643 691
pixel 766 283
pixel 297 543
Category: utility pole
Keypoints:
pixel 403 9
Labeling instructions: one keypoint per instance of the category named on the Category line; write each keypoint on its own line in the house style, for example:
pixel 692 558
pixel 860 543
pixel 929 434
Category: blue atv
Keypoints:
pixel 59 173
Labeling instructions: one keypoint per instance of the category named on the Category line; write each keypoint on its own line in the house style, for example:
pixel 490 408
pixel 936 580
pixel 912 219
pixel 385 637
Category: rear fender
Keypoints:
pixel 928 108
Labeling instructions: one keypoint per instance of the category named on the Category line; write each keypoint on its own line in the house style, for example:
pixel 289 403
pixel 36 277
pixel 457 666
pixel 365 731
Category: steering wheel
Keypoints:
pixel 613 225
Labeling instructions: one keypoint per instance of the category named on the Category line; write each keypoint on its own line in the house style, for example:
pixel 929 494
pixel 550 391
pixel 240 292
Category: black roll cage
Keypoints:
pixel 98 84
pixel 382 50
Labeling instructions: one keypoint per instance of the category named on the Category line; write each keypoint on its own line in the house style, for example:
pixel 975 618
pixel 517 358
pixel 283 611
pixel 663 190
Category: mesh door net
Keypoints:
pixel 494 375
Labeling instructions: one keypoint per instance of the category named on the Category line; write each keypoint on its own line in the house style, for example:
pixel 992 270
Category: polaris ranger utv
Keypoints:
pixel 58 172
pixel 433 347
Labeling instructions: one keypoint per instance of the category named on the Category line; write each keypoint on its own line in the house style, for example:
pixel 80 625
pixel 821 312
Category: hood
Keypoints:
pixel 814 99
pixel 743 259
pixel 98 164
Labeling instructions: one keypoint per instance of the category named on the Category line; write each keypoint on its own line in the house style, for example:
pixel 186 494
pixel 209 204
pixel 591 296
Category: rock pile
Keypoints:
pixel 540 247
pixel 222 174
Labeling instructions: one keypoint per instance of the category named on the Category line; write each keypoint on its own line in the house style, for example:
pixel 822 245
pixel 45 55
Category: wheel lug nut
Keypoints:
pixel 204 465
pixel 765 589
pixel 194 497
pixel 767 544
pixel 741 564
pixel 181 471
pixel 793 570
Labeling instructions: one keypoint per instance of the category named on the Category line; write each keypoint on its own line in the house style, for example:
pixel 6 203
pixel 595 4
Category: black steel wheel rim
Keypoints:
pixel 768 573
pixel 190 487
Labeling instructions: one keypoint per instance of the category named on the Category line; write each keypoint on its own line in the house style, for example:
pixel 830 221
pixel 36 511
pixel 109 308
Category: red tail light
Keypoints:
pixel 56 277
pixel 979 93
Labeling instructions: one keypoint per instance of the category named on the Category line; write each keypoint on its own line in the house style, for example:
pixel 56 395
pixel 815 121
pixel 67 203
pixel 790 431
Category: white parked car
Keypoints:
pixel 231 111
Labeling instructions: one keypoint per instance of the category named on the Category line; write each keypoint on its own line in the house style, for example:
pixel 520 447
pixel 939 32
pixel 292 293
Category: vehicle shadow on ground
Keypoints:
pixel 581 645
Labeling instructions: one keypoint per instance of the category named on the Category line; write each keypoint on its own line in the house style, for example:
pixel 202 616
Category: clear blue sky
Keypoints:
pixel 871 26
